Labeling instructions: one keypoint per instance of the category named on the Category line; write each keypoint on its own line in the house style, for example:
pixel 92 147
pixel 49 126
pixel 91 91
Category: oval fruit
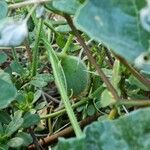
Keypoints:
pixel 76 74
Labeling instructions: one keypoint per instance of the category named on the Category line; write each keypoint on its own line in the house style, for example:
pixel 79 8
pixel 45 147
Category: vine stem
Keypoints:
pixel 91 59
pixel 50 27
pixel 30 12
pixel 36 49
pixel 62 89
pixel 66 47
pixel 60 112
pixel 26 3
pixel 143 103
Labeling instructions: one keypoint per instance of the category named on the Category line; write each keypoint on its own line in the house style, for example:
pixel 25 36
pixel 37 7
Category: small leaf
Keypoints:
pixel 15 124
pixel 106 98
pixel 37 95
pixel 27 139
pixel 30 120
pixel 5 76
pixel 41 80
pixel 61 41
pixel 15 142
pixel 90 110
pixel 134 81
pixel 63 28
pixel 17 68
pixel 38 83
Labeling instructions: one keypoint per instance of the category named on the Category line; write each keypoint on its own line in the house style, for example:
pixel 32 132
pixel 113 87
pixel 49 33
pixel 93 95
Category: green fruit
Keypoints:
pixel 76 74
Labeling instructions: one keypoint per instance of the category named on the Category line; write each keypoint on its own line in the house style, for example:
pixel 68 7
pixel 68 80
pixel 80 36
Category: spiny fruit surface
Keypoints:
pixel 76 74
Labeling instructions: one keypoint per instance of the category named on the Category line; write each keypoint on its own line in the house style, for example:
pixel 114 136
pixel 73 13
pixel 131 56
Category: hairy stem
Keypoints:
pixel 60 84
pixel 62 111
pixel 69 41
pixel 36 49
pixel 142 103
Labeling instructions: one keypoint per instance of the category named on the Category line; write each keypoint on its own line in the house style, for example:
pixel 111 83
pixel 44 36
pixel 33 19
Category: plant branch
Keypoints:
pixel 35 140
pixel 143 103
pixel 62 111
pixel 64 133
pixel 68 43
pixel 91 59
pixel 36 49
pixel 51 98
pixel 135 73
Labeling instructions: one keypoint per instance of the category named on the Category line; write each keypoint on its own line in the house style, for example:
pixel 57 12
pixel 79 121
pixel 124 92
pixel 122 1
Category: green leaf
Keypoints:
pixel 61 41
pixel 71 144
pixel 30 120
pixel 38 83
pixel 134 81
pixel 37 95
pixel 90 110
pixel 8 93
pixel 15 124
pixel 128 132
pixel 106 98
pixel 77 76
pixel 3 57
pixel 5 76
pixel 121 133
pixel 17 67
pixel 66 6
pixel 41 80
pixel 15 142
pixel 63 28
pixel 3 8
pixel 27 139
pixel 116 24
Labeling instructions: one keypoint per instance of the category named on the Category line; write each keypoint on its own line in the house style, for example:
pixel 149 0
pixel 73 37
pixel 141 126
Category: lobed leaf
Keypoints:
pixel 128 132
pixel 116 24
